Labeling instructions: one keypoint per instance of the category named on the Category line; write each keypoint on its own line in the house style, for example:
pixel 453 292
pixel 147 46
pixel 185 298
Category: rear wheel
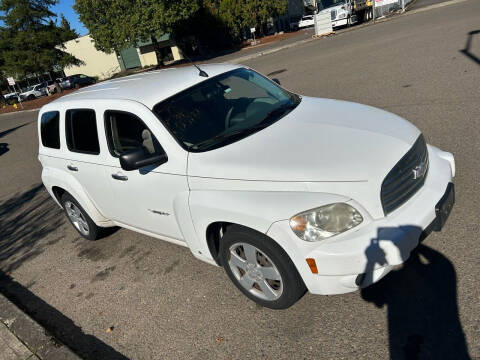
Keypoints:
pixel 79 218
pixel 31 97
pixel 260 268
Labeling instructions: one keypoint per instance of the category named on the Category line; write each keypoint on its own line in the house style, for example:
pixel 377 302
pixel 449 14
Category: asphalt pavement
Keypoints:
pixel 131 296
pixel 417 4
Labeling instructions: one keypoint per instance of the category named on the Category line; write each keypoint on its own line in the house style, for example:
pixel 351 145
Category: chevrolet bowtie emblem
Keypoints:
pixel 420 170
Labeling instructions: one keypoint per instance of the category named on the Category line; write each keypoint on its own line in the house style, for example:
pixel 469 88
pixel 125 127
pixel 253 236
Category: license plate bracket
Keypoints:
pixel 444 207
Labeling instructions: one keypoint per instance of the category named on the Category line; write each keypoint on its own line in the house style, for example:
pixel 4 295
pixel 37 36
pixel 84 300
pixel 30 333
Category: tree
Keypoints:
pixel 118 24
pixel 30 41
pixel 238 15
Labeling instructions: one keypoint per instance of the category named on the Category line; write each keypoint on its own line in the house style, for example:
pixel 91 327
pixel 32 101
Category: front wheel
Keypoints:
pixel 260 268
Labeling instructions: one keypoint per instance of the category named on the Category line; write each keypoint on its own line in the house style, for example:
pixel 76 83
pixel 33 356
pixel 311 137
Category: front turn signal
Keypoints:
pixel 313 265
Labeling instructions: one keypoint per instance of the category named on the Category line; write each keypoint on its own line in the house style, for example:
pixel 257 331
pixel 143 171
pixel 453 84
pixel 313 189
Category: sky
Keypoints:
pixel 65 7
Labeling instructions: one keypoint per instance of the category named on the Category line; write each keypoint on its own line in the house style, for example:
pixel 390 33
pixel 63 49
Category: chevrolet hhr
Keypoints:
pixel 287 193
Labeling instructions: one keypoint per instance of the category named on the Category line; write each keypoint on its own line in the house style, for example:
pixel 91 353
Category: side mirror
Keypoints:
pixel 276 81
pixel 140 157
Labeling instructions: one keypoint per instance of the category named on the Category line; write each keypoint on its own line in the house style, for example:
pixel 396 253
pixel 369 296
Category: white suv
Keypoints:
pixel 288 193
pixel 33 92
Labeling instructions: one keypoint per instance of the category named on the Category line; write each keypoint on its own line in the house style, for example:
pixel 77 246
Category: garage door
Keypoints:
pixel 130 58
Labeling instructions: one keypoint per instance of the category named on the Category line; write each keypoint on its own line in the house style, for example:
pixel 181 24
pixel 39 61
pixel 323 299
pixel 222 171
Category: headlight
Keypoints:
pixel 325 221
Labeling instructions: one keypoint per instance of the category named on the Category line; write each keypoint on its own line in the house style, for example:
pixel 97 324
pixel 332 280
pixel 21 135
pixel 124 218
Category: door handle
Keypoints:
pixel 120 177
pixel 72 168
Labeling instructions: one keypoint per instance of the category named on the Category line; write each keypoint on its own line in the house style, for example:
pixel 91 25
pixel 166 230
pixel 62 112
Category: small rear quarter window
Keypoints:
pixel 50 130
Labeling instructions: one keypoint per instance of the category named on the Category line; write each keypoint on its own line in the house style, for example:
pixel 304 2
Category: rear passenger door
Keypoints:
pixel 84 157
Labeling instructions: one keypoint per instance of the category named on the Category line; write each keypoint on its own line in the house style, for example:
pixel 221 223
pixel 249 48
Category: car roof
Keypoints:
pixel 147 88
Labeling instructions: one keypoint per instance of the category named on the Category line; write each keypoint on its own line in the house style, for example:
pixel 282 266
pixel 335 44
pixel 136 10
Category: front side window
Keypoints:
pixel 81 131
pixel 50 130
pixel 224 109
pixel 126 132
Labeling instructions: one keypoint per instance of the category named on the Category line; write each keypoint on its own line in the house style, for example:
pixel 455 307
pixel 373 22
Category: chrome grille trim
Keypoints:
pixel 400 184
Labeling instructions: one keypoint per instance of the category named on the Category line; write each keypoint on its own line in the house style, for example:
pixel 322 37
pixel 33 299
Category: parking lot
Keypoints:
pixel 131 296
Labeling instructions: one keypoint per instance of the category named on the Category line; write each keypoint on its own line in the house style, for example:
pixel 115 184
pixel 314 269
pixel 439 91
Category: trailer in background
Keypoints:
pixel 346 12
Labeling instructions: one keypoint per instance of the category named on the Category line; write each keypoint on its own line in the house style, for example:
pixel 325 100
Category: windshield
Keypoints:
pixel 325 4
pixel 224 109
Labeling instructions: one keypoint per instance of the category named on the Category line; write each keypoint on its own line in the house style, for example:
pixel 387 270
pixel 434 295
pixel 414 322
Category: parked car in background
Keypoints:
pixel 294 23
pixel 61 81
pixel 306 21
pixel 33 92
pixel 12 98
pixel 288 193
pixel 49 87
pixel 76 81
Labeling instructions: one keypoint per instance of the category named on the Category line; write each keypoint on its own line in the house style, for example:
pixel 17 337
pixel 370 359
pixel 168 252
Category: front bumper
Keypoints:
pixel 341 22
pixel 363 255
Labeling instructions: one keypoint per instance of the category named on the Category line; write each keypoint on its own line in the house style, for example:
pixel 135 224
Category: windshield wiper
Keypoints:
pixel 223 136
pixel 279 111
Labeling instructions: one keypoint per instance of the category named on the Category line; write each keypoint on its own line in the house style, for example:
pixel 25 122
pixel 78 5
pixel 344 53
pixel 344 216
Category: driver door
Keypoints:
pixel 143 199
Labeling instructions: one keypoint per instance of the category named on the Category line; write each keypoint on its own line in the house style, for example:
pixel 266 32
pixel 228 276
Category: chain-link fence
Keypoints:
pixel 385 7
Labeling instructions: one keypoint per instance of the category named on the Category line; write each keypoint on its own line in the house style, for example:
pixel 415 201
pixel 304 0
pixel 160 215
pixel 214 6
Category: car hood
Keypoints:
pixel 320 140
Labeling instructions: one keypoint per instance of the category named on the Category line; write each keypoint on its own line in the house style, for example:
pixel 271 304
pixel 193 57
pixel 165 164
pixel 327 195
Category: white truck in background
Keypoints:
pixel 346 12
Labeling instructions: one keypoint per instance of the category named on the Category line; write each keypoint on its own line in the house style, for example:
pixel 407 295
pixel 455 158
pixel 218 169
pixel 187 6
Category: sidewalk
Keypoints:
pixel 265 47
pixel 22 338
pixel 11 347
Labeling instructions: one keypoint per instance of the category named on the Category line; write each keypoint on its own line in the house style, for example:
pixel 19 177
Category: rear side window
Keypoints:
pixel 50 130
pixel 126 132
pixel 81 131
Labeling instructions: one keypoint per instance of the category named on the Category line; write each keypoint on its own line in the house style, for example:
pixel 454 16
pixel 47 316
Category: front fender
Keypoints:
pixel 53 177
pixel 257 210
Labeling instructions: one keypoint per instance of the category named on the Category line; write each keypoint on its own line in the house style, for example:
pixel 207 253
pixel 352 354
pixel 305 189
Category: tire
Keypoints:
pixel 79 218
pixel 31 97
pixel 281 289
pixel 77 86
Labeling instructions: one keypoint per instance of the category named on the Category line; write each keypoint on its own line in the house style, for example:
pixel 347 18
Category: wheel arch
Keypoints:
pixel 211 211
pixel 58 193
pixel 213 236
pixel 58 182
pixel 217 229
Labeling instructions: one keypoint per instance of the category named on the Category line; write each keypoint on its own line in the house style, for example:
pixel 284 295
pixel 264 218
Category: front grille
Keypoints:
pixel 333 14
pixel 406 178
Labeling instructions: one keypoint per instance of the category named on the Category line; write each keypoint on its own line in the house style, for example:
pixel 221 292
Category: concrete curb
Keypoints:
pixel 388 18
pixel 32 335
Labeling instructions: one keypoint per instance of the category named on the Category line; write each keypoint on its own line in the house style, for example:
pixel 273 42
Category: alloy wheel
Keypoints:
pixel 254 270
